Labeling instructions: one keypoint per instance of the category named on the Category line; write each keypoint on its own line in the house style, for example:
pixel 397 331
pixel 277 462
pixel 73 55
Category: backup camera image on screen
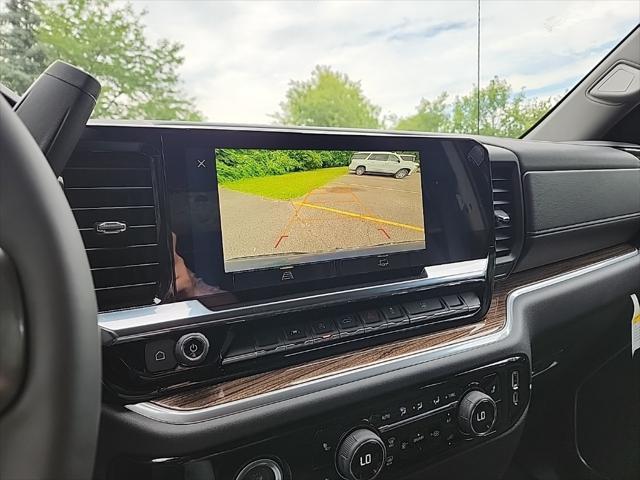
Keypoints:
pixel 285 207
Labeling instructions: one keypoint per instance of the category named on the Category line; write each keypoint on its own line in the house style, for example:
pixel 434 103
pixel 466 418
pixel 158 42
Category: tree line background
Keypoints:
pixel 140 79
pixel 236 164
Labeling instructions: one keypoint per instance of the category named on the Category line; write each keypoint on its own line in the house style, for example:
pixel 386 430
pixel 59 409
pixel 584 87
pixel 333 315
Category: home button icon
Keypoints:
pixel 158 355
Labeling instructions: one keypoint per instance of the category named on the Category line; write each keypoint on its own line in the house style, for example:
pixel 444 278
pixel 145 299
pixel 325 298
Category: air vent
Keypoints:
pixel 113 200
pixel 506 206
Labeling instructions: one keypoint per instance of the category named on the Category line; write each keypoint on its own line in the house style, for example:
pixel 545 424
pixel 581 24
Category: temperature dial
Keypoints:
pixel 477 413
pixel 361 455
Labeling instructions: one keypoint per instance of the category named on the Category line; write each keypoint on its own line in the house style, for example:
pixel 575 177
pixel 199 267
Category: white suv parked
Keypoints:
pixel 398 165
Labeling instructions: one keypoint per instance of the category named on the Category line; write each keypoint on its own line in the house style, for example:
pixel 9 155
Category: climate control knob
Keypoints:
pixel 361 455
pixel 477 413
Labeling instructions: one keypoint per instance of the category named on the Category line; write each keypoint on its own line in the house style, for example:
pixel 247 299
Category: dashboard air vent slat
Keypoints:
pixel 115 297
pixel 107 187
pixel 132 255
pixel 88 217
pixel 121 276
pixel 503 200
pixel 107 177
pixel 111 196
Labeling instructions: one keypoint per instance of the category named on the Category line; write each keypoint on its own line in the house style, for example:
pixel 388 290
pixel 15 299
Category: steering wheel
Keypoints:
pixel 50 368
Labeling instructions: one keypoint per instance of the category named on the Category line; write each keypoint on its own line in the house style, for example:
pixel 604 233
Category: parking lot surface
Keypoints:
pixel 350 212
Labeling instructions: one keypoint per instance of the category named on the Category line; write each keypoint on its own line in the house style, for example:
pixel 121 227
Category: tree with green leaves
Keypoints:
pixel 430 116
pixel 22 56
pixel 328 99
pixel 502 113
pixel 139 79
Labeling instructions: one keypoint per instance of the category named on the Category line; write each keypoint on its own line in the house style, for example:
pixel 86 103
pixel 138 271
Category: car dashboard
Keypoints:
pixel 386 364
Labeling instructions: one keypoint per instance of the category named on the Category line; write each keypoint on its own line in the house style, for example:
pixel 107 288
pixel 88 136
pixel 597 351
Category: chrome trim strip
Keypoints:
pixel 132 323
pixel 184 417
pixel 126 322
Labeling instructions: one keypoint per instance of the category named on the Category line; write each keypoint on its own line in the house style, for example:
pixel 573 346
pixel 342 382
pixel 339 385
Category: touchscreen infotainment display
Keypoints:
pixel 280 208
pixel 267 212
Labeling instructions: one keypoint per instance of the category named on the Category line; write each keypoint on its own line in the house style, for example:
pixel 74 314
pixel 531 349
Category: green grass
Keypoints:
pixel 289 185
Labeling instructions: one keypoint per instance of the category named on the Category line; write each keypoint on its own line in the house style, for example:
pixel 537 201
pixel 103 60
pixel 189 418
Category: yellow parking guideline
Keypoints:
pixel 362 217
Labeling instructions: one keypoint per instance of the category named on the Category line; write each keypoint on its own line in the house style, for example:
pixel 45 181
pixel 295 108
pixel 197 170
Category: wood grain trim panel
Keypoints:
pixel 493 321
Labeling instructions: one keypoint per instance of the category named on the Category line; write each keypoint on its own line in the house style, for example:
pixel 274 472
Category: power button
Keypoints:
pixel 192 348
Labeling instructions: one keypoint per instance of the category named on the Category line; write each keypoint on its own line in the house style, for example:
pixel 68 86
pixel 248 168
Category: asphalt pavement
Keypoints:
pixel 349 212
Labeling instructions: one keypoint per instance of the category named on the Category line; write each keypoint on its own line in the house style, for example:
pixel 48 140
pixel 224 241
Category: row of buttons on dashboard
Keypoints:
pixel 423 437
pixel 434 398
pixel 301 333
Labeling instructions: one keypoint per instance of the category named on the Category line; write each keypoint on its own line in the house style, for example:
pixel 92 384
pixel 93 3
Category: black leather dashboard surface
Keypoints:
pixel 577 198
pixel 536 156
pixel 558 200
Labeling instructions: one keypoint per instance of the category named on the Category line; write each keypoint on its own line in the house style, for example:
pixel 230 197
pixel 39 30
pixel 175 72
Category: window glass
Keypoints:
pixel 407 65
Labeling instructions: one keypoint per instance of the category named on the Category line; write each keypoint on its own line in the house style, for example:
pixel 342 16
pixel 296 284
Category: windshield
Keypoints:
pixel 407 65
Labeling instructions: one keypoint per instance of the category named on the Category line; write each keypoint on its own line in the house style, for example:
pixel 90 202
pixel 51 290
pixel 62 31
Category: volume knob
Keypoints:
pixel 477 413
pixel 361 455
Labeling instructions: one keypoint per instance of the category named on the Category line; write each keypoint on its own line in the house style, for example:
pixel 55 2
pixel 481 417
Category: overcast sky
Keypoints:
pixel 240 56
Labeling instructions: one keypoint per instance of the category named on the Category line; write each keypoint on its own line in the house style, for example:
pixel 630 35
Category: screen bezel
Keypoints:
pixel 455 172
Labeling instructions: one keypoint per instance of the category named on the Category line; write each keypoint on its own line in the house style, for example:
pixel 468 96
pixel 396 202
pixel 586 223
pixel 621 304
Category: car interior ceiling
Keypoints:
pixel 155 324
